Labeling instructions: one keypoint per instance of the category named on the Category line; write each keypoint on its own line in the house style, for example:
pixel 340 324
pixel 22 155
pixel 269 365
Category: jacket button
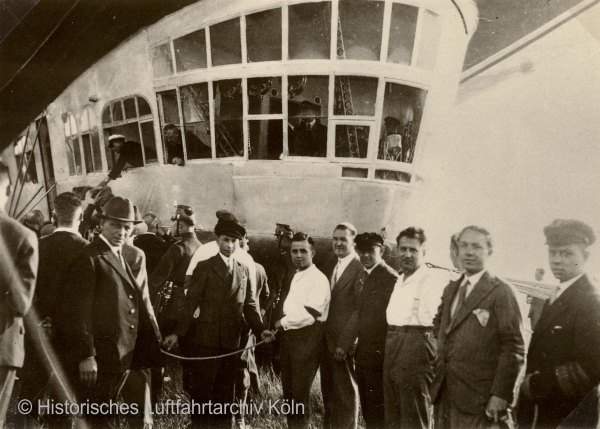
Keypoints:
pixel 131 326
pixel 132 310
pixel 130 296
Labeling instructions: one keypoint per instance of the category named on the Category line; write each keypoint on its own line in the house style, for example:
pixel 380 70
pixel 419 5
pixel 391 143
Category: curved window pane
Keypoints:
pixel 264 96
pixel 143 106
pixel 117 111
pixel 190 51
pixel 263 36
pixel 359 30
pixel 229 135
pixel 225 43
pixel 196 117
pixel 430 39
pixel 402 113
pixel 162 63
pixel 106 118
pixel 402 33
pixel 307 111
pixel 351 141
pixel 310 31
pixel 355 95
pixel 96 151
pixel 87 152
pixel 130 112
pixel 149 141
pixel 266 139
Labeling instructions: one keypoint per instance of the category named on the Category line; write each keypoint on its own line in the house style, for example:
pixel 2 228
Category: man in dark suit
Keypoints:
pixel 368 327
pixel 338 379
pixel 219 299
pixel 18 268
pixel 563 362
pixel 481 349
pixel 153 246
pixel 56 252
pixel 105 325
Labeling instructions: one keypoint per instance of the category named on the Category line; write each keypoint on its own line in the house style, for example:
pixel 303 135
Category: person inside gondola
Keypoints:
pixel 196 148
pixel 126 153
pixel 390 146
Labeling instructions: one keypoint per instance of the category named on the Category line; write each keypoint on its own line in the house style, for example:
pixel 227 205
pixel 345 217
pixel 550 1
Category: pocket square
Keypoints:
pixel 483 316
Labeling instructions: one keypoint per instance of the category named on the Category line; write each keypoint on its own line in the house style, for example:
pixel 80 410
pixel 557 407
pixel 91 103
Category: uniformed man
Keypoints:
pixel 563 364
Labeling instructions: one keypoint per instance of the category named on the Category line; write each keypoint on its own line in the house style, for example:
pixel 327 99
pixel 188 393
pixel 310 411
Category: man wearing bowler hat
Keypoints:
pixel 105 324
pixel 218 300
pixel 563 364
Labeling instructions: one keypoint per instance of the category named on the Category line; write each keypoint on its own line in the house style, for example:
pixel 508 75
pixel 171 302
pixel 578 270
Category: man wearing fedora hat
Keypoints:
pixel 105 325
pixel 218 300
pixel 563 368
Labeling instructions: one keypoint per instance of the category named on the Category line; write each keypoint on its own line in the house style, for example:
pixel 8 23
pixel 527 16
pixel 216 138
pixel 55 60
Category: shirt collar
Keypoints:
pixel 568 283
pixel 71 230
pixel 114 249
pixel 225 259
pixel 370 270
pixel 474 279
pixel 420 272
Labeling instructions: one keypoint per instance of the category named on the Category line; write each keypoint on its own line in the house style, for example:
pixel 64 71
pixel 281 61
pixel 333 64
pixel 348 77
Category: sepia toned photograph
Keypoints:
pixel 324 214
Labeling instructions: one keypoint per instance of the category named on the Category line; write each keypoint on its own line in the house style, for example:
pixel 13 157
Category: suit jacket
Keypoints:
pixel 18 268
pixel 565 351
pixel 57 250
pixel 106 313
pixel 344 296
pixel 225 300
pixel 478 358
pixel 262 286
pixel 154 248
pixel 368 324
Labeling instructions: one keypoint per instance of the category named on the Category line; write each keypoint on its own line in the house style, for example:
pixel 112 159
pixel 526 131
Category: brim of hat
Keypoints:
pixel 135 222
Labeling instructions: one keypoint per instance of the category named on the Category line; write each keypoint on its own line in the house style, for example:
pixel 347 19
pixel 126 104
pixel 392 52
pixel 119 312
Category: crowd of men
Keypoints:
pixel 421 347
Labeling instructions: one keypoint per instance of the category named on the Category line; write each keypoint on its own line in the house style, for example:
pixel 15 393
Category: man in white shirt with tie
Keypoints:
pixel 411 348
pixel 305 309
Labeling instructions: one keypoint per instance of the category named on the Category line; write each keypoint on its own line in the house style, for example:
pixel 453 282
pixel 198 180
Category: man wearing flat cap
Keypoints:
pixel 563 361
pixel 368 326
pixel 105 323
pixel 218 300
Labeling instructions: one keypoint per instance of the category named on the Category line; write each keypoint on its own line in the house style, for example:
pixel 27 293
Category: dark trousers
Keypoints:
pixel 370 387
pixel 247 376
pixel 137 390
pixel 339 389
pixel 552 413
pixel 213 381
pixel 410 352
pixel 299 365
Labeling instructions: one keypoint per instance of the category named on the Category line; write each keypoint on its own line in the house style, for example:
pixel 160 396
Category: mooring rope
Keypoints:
pixel 211 357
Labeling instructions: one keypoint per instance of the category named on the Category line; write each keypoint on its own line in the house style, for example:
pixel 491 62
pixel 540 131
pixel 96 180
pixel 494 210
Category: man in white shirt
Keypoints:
pixel 305 309
pixel 410 348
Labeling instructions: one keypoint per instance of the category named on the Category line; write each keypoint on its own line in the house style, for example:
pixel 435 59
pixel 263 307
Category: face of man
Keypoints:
pixel 286 243
pixel 227 245
pixel 411 253
pixel 343 242
pixel 302 254
pixel 116 231
pixel 172 136
pixel 473 251
pixel 567 261
pixel 117 145
pixel 370 256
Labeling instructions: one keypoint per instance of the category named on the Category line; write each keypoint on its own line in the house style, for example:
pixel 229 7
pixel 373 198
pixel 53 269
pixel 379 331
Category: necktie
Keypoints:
pixel 230 266
pixel 462 295
pixel 334 278
pixel 121 260
pixel 554 295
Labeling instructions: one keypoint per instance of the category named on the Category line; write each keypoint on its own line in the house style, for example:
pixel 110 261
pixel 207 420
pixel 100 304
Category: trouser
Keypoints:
pixel 7 381
pixel 211 383
pixel 410 352
pixel 299 365
pixel 137 390
pixel 339 389
pixel 247 376
pixel 553 412
pixel 370 387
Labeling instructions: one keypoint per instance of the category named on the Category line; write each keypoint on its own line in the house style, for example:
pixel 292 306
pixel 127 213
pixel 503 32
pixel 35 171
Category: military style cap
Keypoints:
pixel 120 209
pixel 184 214
pixel 562 232
pixel 390 120
pixel 367 240
pixel 283 230
pixel 231 228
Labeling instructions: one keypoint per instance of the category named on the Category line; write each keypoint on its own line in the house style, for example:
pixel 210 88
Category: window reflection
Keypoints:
pixel 307 110
pixel 130 112
pixel 264 96
pixel 355 95
pixel 162 63
pixel 395 176
pixel 117 111
pixel 310 31
pixel 359 30
pixel 266 139
pixel 351 141
pixel 263 36
pixel 228 118
pixel 225 43
pixel 402 33
pixel 190 51
pixel 402 112
pixel 196 117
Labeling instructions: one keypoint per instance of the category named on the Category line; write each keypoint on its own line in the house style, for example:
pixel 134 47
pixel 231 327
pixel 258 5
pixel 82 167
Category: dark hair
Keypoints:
pixel 480 230
pixel 454 240
pixel 65 206
pixel 412 232
pixel 300 236
pixel 34 218
pixel 170 127
pixel 347 227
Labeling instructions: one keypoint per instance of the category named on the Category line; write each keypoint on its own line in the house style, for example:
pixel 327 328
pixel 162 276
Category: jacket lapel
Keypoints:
pixel 219 266
pixel 447 311
pixel 482 289
pixel 236 281
pixel 347 275
pixel 108 255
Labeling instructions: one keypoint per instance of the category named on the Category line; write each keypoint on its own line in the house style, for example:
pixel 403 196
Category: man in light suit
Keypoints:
pixel 563 362
pixel 18 268
pixel 106 325
pixel 338 378
pixel 481 349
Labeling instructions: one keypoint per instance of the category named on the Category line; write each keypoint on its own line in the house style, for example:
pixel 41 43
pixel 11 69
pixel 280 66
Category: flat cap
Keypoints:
pixel 230 228
pixel 562 232
pixel 116 137
pixel 367 240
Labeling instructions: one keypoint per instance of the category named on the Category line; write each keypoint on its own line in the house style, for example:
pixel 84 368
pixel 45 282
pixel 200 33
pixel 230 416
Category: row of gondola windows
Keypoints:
pixel 359 35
